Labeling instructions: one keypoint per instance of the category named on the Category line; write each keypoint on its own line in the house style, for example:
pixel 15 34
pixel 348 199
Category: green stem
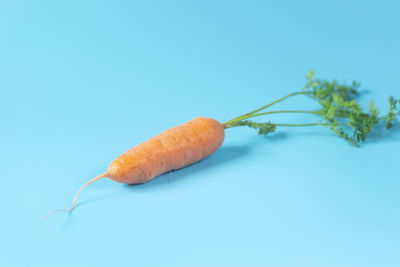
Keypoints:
pixel 276 101
pixel 307 124
pixel 244 116
pixel 281 111
pixel 297 125
pixel 229 123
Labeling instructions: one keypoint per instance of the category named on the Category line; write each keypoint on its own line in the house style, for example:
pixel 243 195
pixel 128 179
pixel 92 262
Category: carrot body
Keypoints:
pixel 174 148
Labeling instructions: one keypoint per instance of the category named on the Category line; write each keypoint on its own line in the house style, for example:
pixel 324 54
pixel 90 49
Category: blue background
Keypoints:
pixel 83 81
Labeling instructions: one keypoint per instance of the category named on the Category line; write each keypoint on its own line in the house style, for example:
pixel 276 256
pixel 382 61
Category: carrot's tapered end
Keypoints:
pixel 73 205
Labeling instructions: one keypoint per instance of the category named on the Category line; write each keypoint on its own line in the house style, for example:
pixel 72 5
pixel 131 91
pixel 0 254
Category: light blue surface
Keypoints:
pixel 83 81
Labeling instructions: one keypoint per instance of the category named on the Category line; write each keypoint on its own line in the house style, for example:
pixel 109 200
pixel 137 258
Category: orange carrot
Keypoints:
pixel 197 139
pixel 173 149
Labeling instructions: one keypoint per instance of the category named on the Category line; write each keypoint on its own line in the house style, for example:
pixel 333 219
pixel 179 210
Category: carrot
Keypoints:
pixel 173 149
pixel 200 137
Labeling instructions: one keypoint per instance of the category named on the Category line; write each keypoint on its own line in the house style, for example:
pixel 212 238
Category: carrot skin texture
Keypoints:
pixel 172 149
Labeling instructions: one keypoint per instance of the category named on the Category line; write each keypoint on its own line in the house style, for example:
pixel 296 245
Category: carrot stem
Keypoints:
pixel 274 102
pixel 270 112
pixel 245 116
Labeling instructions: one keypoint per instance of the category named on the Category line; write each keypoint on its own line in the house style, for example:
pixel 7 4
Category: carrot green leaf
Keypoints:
pixel 339 111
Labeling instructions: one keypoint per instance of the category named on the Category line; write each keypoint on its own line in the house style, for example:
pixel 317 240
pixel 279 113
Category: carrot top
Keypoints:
pixel 339 111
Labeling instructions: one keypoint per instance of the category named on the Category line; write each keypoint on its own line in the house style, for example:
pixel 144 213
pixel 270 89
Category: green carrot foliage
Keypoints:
pixel 339 111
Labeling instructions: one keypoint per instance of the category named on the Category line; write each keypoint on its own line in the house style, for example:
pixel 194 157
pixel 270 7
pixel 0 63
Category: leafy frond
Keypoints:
pixel 262 128
pixel 339 110
pixel 338 102
pixel 324 90
pixel 393 112
pixel 340 131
